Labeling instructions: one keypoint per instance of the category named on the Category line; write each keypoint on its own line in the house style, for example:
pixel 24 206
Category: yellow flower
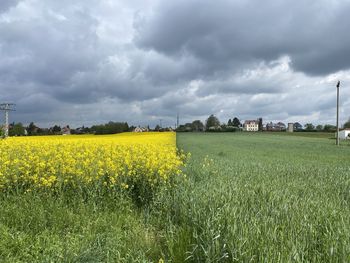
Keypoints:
pixel 48 161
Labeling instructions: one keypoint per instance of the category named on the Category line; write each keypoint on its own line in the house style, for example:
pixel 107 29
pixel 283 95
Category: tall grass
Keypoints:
pixel 73 227
pixel 262 198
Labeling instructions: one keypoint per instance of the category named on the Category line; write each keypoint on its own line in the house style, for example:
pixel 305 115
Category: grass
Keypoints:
pixel 265 197
pixel 37 227
pixel 326 135
pixel 247 197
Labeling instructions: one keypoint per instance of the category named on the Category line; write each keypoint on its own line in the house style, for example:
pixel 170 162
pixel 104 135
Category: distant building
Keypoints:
pixel 66 130
pixel 251 125
pixel 344 134
pixel 141 129
pixel 280 126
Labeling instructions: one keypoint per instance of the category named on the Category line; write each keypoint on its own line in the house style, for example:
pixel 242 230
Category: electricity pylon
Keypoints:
pixel 7 107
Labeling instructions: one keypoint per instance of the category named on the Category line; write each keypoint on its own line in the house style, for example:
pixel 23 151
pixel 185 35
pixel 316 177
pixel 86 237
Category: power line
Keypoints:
pixel 7 107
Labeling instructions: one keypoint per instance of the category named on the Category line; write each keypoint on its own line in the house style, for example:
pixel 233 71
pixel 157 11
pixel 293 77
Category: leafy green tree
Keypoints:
pixel 329 128
pixel 319 127
pixel 56 129
pixel 197 125
pixel 236 122
pixel 260 125
pixel 229 123
pixel 309 127
pixel 212 121
pixel 16 129
pixel 32 129
pixel 110 128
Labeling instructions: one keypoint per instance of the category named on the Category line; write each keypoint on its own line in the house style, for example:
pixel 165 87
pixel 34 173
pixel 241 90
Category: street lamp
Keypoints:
pixel 338 85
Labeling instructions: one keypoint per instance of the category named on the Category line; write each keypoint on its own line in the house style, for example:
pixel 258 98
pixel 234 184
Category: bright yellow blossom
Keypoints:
pixel 113 160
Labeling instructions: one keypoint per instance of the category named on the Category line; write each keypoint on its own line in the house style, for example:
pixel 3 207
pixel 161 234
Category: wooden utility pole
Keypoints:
pixel 338 85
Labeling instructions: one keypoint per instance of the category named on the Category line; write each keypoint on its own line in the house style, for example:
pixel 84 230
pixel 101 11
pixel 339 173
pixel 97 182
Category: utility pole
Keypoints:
pixel 160 122
pixel 177 120
pixel 338 85
pixel 7 107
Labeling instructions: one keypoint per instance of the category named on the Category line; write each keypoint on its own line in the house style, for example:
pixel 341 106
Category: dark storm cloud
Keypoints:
pixel 91 61
pixel 7 4
pixel 225 33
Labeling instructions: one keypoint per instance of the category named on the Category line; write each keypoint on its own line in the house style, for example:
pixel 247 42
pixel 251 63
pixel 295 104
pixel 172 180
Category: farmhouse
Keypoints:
pixel 344 134
pixel 140 129
pixel 251 125
pixel 66 130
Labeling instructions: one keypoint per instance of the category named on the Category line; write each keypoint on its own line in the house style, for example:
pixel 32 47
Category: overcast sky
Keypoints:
pixel 86 62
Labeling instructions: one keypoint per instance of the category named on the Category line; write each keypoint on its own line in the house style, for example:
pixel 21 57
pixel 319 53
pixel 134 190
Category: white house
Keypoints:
pixel 251 125
pixel 140 129
pixel 344 134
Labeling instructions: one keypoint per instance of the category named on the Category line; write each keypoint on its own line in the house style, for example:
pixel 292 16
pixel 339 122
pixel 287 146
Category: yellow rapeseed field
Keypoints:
pixel 110 160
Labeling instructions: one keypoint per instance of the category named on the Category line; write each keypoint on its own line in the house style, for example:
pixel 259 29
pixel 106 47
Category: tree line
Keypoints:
pixel 18 129
pixel 213 124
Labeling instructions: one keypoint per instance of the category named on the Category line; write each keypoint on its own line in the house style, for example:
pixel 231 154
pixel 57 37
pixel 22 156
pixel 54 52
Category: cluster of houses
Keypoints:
pixel 257 125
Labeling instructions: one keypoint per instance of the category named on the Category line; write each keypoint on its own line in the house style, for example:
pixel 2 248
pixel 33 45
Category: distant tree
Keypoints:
pixel 309 127
pixel 56 129
pixel 32 129
pixel 229 123
pixel 132 128
pixel 197 126
pixel 231 129
pixel 185 127
pixel 297 126
pixel 16 129
pixel 236 122
pixel 329 128
pixel 347 124
pixel 260 124
pixel 110 128
pixel 319 127
pixel 157 128
pixel 212 121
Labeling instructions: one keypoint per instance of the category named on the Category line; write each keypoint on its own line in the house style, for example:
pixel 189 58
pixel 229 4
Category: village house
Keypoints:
pixel 66 130
pixel 251 125
pixel 141 129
